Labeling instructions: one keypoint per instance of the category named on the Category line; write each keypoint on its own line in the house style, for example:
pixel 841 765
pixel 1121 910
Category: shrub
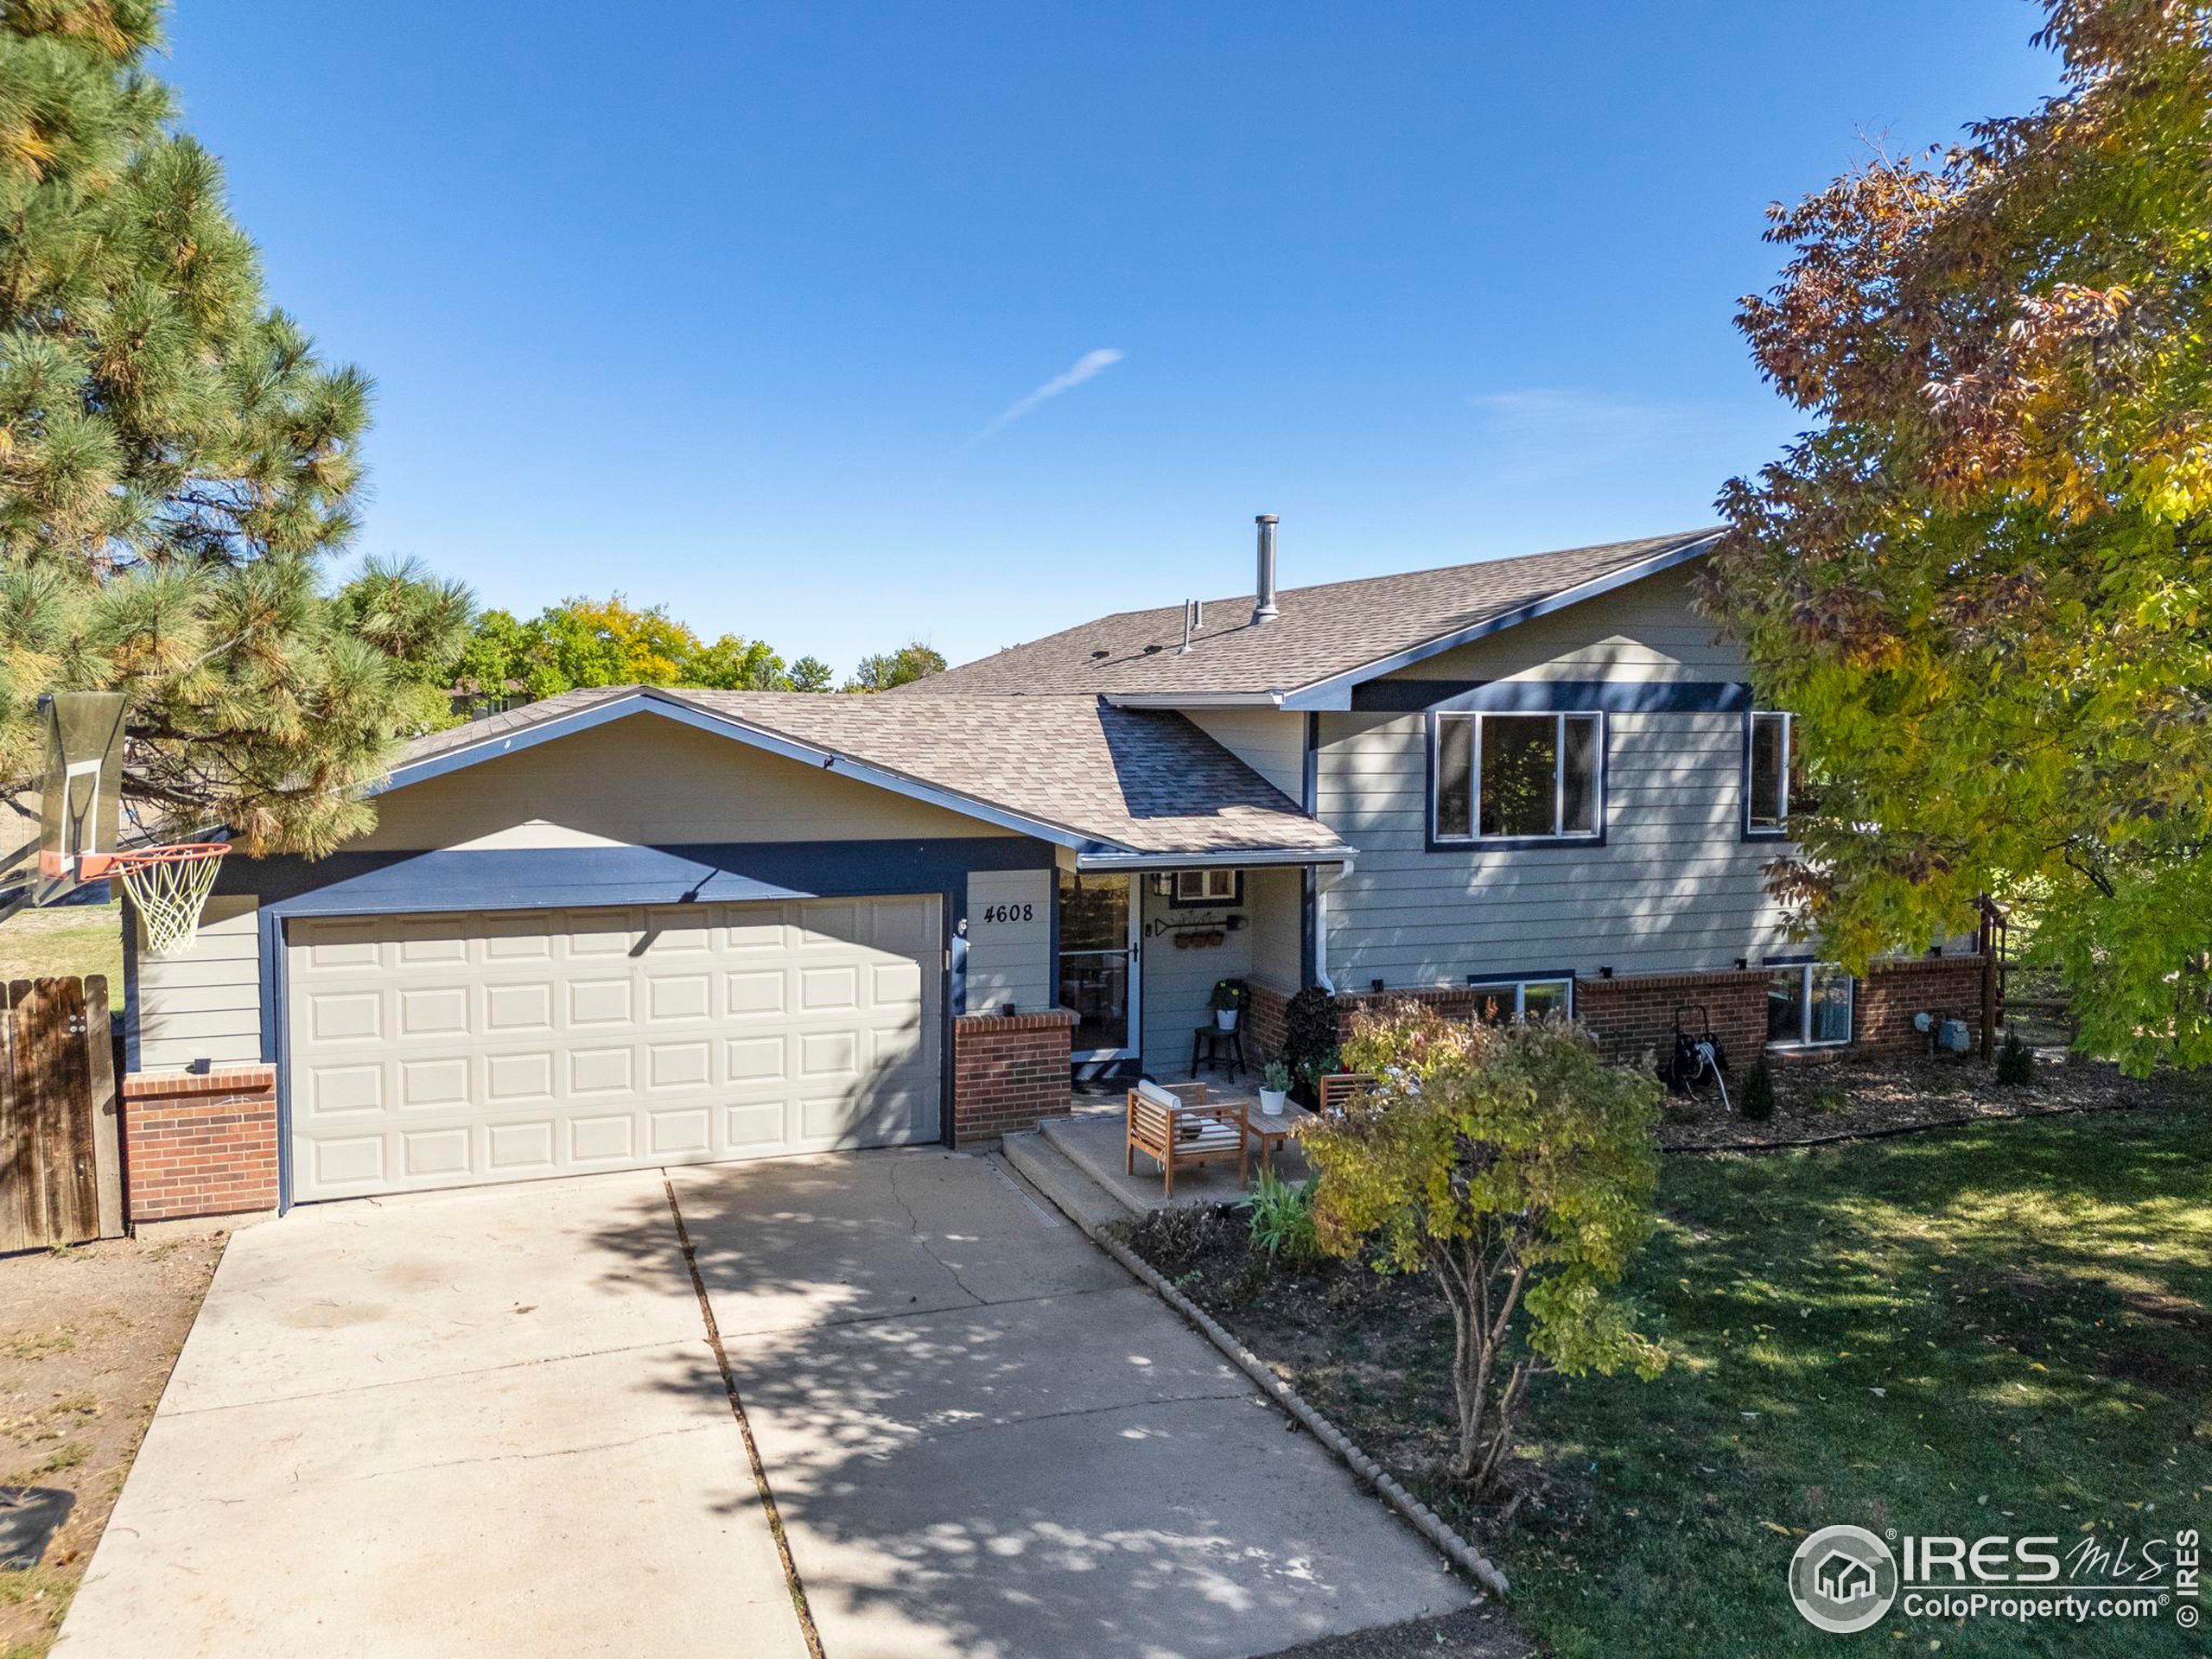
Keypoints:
pixel 2016 1061
pixel 1757 1103
pixel 1282 1220
pixel 1516 1168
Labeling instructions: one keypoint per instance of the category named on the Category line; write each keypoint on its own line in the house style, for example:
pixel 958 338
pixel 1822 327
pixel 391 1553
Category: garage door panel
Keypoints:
pixel 447 1050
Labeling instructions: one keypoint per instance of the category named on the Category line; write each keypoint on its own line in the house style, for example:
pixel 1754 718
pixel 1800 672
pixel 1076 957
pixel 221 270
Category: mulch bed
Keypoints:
pixel 1855 1099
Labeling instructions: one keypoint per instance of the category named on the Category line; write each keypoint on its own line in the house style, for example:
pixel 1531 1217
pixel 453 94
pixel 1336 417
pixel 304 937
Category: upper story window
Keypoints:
pixel 1517 778
pixel 1766 774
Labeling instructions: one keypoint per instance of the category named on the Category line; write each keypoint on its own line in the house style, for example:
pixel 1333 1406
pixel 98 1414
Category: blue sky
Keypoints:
pixel 835 325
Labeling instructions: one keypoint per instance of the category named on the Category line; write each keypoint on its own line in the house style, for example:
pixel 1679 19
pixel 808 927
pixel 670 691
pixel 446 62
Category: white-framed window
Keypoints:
pixel 1517 778
pixel 1497 1001
pixel 1808 1005
pixel 1766 773
pixel 1212 886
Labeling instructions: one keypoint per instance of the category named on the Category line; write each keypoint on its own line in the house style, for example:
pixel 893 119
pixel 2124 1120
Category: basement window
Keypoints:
pixel 1503 1000
pixel 1508 780
pixel 1808 1005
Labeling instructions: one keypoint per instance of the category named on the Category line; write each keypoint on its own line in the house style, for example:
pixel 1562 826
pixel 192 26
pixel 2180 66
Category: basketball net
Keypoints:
pixel 169 886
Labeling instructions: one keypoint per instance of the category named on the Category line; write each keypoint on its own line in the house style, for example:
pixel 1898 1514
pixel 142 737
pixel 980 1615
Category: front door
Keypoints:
pixel 1098 954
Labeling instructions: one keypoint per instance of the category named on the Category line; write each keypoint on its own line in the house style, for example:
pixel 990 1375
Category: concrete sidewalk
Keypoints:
pixel 476 1422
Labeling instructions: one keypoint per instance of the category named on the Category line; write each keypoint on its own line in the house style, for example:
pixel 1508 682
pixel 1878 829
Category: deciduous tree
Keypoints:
pixel 910 662
pixel 1982 579
pixel 1514 1167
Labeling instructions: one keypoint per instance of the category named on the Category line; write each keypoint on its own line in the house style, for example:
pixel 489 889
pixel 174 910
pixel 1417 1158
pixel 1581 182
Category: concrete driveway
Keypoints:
pixel 492 1421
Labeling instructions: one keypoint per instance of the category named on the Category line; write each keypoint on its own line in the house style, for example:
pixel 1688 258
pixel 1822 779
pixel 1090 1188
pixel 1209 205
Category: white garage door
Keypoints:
pixel 450 1050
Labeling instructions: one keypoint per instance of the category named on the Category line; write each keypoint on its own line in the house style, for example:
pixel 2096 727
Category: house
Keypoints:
pixel 640 926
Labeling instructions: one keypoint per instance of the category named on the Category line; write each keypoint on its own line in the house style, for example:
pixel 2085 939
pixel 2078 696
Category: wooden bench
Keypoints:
pixel 1192 1131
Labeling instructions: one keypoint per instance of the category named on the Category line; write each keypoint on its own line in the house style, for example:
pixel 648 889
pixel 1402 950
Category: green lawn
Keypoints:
pixel 75 940
pixel 2006 1329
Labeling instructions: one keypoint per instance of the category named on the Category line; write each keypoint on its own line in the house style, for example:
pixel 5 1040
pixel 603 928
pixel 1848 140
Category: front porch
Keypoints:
pixel 1139 955
pixel 1094 1138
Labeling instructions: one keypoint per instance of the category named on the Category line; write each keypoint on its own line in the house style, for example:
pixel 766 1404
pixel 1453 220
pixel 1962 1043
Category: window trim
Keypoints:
pixel 1521 985
pixel 1804 969
pixel 1171 882
pixel 1751 831
pixel 1440 842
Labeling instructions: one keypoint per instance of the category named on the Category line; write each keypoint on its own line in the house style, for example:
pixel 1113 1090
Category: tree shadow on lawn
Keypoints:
pixel 1996 1330
pixel 976 1454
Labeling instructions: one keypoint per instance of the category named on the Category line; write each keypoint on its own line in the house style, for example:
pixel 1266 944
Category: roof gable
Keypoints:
pixel 1327 639
pixel 1112 785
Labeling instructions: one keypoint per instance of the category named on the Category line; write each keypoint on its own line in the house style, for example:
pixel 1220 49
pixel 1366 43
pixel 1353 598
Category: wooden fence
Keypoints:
pixel 60 1148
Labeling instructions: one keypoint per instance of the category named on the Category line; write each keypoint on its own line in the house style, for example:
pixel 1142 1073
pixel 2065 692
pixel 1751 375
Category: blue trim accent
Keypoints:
pixel 566 877
pixel 1470 844
pixel 1556 697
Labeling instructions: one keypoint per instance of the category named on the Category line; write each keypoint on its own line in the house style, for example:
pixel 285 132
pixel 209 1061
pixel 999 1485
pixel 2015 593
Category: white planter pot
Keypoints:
pixel 1271 1102
pixel 1224 1018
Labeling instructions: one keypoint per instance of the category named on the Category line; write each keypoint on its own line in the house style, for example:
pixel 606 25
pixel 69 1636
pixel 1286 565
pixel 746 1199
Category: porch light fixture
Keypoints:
pixel 1604 973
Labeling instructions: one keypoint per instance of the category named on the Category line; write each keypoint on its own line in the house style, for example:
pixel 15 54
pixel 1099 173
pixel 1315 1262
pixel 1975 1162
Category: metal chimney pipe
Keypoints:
pixel 1265 607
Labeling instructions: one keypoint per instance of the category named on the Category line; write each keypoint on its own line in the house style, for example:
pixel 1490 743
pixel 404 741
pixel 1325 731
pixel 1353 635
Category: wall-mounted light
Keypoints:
pixel 1604 973
pixel 1375 985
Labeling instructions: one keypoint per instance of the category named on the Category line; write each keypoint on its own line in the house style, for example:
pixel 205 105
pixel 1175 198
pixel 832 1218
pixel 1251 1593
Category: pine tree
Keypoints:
pixel 176 464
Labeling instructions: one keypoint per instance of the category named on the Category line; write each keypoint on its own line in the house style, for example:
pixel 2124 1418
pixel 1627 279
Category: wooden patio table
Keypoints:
pixel 1271 1132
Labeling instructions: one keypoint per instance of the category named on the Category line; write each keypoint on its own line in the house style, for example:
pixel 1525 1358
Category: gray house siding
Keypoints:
pixel 1673 888
pixel 1010 940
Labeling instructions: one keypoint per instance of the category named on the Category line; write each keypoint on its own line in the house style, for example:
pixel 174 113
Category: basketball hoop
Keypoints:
pixel 169 885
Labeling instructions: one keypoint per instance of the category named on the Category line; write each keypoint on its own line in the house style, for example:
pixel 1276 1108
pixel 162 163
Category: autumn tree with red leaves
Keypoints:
pixel 1984 579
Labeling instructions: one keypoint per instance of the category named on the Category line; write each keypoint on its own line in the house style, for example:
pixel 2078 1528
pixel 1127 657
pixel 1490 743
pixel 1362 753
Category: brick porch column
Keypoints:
pixel 1008 1073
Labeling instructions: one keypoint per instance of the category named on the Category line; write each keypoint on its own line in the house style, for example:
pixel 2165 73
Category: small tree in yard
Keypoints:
pixel 1516 1168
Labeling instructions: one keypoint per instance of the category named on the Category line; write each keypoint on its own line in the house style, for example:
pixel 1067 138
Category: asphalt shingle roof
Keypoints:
pixel 1322 631
pixel 1147 781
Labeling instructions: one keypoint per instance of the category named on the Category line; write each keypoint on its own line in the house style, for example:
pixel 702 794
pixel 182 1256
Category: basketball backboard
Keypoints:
pixel 79 789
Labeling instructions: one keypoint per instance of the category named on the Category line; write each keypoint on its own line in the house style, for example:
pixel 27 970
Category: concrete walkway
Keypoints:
pixel 985 1439
pixel 490 1422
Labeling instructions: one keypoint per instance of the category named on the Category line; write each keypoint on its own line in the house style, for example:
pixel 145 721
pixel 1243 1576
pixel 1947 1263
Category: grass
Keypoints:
pixel 71 941
pixel 2004 1330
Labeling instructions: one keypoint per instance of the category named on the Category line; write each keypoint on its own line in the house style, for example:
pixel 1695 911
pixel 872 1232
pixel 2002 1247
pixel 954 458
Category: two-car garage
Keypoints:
pixel 453 1048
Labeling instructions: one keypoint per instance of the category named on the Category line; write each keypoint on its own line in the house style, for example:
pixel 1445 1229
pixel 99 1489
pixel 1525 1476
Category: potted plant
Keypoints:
pixel 1274 1089
pixel 1227 1002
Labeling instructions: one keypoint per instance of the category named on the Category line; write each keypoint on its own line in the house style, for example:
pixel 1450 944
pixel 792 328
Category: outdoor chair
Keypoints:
pixel 1340 1086
pixel 1174 1125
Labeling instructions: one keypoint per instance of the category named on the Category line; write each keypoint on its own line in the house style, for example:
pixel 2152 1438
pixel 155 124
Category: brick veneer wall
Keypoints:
pixel 199 1143
pixel 1892 992
pixel 1634 1016
pixel 1008 1073
pixel 1266 1020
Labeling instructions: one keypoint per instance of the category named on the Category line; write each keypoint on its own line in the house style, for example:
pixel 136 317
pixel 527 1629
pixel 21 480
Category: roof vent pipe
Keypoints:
pixel 1265 606
pixel 1190 606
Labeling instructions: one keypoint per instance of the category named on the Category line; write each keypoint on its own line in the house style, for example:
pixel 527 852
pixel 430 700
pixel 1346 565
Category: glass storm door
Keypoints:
pixel 1098 954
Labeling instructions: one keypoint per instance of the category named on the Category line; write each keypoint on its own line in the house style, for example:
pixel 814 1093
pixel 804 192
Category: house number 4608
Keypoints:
pixel 1009 912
